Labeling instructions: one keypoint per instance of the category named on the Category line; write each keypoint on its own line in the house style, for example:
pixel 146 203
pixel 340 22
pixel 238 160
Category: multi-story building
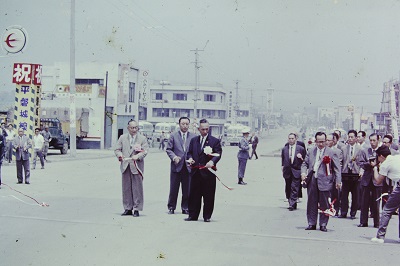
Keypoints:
pixel 98 117
pixel 168 102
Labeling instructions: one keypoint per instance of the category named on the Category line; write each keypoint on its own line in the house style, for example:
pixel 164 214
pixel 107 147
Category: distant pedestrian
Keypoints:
pixel 47 139
pixel 162 139
pixel 38 146
pixel 22 144
pixel 131 149
pixel 243 156
pixel 254 143
pixel 1 153
pixel 8 143
pixel 177 148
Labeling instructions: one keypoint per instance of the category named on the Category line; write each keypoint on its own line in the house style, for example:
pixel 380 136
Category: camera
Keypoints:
pixel 372 159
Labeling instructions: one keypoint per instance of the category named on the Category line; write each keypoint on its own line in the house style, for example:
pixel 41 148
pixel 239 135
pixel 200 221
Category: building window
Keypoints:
pixel 209 97
pixel 180 97
pixel 131 98
pixel 89 81
pixel 160 112
pixel 159 96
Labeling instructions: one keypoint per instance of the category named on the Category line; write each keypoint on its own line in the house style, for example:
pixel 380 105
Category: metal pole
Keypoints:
pixel 105 112
pixel 72 89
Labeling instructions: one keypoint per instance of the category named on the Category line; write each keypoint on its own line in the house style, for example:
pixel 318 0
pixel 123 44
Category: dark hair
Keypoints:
pixel 203 121
pixel 319 133
pixel 37 129
pixel 383 150
pixel 183 117
pixel 336 135
pixel 132 120
pixel 340 133
pixel 352 131
pixel 363 134
pixel 389 137
pixel 294 134
pixel 373 135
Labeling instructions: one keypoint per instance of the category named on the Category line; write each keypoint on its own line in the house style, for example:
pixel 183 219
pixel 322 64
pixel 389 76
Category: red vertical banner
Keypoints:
pixel 28 80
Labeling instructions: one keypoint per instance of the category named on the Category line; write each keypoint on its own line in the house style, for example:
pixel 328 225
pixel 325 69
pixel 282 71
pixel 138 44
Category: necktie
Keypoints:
pixel 132 141
pixel 184 141
pixel 351 152
pixel 291 154
pixel 202 142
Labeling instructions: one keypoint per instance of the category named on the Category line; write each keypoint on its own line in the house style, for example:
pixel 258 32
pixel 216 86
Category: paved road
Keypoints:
pixel 250 225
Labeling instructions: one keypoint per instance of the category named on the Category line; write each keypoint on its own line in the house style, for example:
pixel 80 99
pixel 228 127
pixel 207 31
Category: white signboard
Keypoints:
pixel 14 39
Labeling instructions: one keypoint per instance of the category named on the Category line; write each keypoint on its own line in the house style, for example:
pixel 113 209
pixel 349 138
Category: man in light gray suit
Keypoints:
pixel 323 166
pixel 131 149
pixel 177 147
pixel 22 144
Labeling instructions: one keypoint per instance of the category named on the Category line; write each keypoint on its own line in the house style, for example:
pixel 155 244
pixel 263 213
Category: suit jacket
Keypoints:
pixel 368 175
pixel 339 153
pixel 243 149
pixel 175 148
pixel 22 147
pixel 201 159
pixel 294 168
pixel 325 182
pixel 254 141
pixel 124 149
pixel 352 163
pixel 2 143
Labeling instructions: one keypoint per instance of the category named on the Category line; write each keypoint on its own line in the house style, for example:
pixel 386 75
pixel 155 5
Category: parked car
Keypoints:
pixel 59 140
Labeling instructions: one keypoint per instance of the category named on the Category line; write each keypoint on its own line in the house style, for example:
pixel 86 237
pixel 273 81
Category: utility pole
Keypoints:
pixel 393 113
pixel 196 78
pixel 72 89
pixel 236 107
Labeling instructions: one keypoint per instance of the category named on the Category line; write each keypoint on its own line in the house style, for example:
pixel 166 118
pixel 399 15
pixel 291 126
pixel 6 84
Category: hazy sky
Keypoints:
pixel 312 52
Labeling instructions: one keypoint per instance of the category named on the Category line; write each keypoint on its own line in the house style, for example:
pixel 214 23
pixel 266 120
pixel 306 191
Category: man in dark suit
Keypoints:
pixel 22 144
pixel 370 190
pixel 322 164
pixel 202 182
pixel 177 148
pixel 254 143
pixel 292 157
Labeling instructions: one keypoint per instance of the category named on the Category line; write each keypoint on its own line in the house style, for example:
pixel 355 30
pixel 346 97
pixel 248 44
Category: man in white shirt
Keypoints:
pixel 389 167
pixel 38 145
pixel 8 145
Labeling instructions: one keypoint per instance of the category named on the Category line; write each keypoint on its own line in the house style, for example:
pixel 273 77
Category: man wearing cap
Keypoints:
pixel 243 155
pixel 47 138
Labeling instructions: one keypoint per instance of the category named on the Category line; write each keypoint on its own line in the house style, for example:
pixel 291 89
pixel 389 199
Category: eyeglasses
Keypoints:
pixel 321 141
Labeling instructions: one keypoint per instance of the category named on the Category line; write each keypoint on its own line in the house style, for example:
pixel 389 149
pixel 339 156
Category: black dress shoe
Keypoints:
pixel 342 216
pixel 127 212
pixel 290 208
pixel 362 225
pixel 311 227
pixel 171 211
pixel 323 228
pixel 353 217
pixel 207 220
pixel 27 183
pixel 19 182
pixel 136 214
pixel 190 219
pixel 376 226
pixel 242 183
pixel 185 212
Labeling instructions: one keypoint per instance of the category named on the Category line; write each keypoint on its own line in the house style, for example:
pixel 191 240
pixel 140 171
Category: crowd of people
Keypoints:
pixel 19 145
pixel 332 170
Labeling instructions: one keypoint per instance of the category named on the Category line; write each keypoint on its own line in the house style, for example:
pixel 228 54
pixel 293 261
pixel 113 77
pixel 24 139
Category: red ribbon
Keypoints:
pixel 201 167
pixel 331 211
pixel 40 204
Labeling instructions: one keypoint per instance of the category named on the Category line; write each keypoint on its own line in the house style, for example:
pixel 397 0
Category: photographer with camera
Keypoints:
pixel 370 189
pixel 389 166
